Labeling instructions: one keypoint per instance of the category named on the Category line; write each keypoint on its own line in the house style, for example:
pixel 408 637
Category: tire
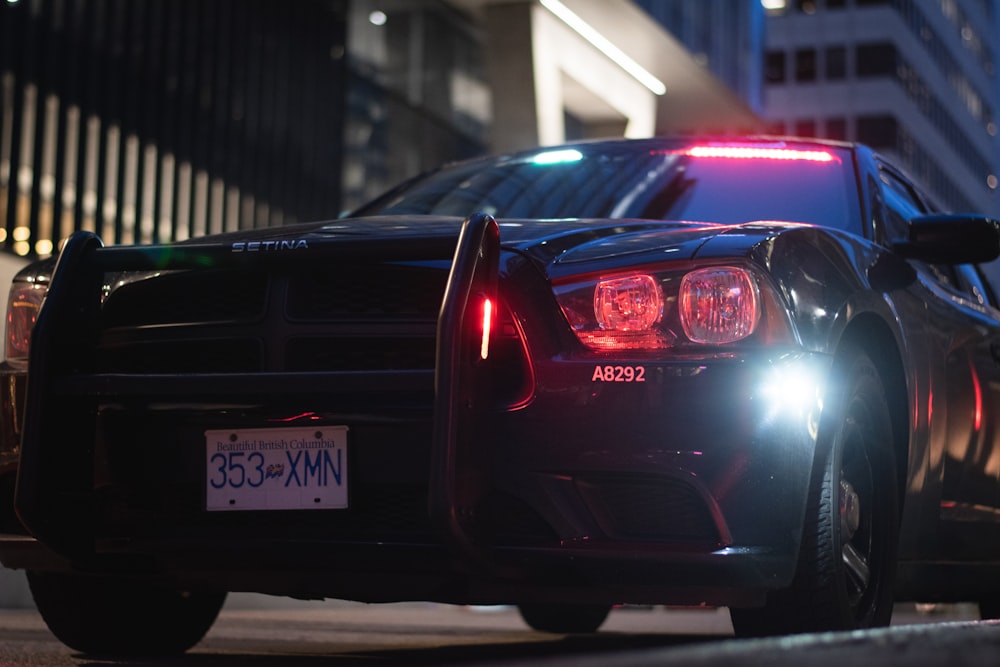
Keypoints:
pixel 564 619
pixel 989 609
pixel 847 559
pixel 122 617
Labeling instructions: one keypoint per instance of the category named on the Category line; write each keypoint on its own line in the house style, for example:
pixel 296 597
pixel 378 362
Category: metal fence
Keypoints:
pixel 158 120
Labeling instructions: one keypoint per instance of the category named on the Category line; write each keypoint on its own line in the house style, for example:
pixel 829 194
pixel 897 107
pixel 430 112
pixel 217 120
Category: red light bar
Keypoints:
pixel 757 153
pixel 484 348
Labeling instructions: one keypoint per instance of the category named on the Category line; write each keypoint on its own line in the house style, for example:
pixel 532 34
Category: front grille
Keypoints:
pixel 229 355
pixel 350 317
pixel 649 507
pixel 188 297
pixel 390 292
pixel 351 353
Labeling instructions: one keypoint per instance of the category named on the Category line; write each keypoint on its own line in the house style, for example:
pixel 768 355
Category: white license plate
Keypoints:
pixel 297 468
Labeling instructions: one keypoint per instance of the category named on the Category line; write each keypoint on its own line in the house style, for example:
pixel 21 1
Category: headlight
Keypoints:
pixel 22 311
pixel 718 305
pixel 657 310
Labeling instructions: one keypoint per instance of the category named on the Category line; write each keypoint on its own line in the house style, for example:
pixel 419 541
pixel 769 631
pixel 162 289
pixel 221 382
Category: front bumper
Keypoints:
pixel 687 489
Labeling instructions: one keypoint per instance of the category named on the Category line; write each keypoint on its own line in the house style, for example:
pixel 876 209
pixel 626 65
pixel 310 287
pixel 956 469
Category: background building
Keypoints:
pixel 163 120
pixel 913 78
pixel 724 36
pixel 435 80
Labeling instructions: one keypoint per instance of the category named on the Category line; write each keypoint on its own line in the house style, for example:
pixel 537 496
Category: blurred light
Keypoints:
pixel 604 45
pixel 749 153
pixel 43 247
pixel 991 181
pixel 556 157
pixel 773 5
pixel 378 18
pixel 484 348
pixel 792 390
pixel 977 388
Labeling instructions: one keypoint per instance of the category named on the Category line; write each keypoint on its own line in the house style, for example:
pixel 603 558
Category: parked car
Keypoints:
pixel 760 373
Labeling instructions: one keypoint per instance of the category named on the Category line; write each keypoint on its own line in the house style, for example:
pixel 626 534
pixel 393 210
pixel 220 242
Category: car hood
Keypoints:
pixel 562 246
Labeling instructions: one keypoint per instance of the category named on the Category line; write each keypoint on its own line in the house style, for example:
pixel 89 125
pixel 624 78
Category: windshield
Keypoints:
pixel 648 180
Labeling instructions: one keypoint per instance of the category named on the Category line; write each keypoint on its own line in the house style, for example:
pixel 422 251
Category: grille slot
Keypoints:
pixel 650 508
pixel 182 356
pixel 398 292
pixel 355 353
pixel 348 318
pixel 187 297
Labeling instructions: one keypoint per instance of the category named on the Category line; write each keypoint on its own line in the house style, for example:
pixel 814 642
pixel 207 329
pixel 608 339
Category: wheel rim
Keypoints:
pixel 857 508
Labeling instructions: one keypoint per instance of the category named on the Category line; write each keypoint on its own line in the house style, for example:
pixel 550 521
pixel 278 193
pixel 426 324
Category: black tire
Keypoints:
pixel 564 619
pixel 847 560
pixel 989 609
pixel 121 617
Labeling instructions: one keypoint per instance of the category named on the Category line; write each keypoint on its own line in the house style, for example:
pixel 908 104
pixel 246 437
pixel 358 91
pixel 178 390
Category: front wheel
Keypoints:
pixel 847 560
pixel 989 609
pixel 564 618
pixel 121 617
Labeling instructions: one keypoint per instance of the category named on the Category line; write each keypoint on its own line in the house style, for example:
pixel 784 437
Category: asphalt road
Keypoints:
pixel 265 632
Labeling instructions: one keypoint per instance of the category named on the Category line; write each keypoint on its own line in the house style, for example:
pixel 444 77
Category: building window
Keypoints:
pixel 876 60
pixel 877 131
pixel 836 128
pixel 774 67
pixel 805 128
pixel 805 65
pixel 836 63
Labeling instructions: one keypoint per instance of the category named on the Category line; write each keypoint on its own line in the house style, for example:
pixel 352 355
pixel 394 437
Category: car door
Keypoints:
pixel 963 408
pixel 972 472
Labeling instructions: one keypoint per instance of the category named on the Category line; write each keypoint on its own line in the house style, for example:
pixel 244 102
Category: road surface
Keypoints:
pixel 267 632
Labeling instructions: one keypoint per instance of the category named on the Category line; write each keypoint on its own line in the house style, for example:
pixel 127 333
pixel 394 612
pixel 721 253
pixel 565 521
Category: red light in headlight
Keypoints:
pixel 631 303
pixel 718 305
pixel 22 311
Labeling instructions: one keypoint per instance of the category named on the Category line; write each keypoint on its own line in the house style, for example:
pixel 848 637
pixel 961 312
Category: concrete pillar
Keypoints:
pixel 512 78
pixel 540 69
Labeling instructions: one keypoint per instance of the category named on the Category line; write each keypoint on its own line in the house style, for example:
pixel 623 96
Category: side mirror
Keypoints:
pixel 951 239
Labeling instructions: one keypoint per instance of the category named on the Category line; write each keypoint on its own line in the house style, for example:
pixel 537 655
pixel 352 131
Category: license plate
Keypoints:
pixel 297 468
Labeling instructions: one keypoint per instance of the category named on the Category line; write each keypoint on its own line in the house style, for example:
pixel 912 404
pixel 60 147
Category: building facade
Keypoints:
pixel 726 37
pixel 444 79
pixel 163 120
pixel 916 79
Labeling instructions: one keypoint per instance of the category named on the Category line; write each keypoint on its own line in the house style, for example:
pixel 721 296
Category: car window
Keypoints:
pixel 655 181
pixel 902 202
